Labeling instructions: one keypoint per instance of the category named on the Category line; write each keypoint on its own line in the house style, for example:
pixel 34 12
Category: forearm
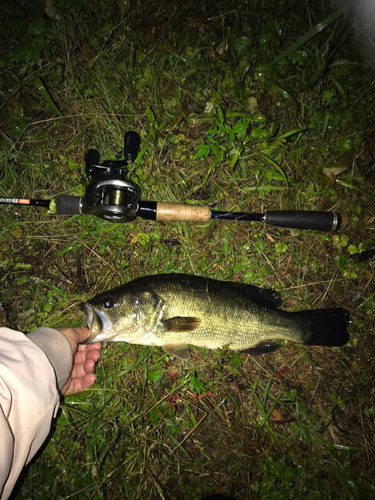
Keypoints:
pixel 57 349
pixel 31 370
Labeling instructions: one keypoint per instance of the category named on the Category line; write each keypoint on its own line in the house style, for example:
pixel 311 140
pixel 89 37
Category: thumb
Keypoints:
pixel 75 336
pixel 82 333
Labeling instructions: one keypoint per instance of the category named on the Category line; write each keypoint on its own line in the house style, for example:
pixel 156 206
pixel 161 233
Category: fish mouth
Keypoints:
pixel 97 323
pixel 89 311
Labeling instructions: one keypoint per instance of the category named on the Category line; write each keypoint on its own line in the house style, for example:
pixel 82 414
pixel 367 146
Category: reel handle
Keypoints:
pixel 132 141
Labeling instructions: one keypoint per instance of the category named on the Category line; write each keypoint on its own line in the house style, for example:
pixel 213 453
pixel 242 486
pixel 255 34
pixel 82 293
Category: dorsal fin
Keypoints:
pixel 266 296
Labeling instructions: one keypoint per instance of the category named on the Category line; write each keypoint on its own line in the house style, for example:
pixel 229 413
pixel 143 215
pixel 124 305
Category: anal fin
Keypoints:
pixel 180 351
pixel 263 348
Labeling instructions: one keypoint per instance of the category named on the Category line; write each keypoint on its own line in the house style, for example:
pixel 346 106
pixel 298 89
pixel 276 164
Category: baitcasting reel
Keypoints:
pixel 110 194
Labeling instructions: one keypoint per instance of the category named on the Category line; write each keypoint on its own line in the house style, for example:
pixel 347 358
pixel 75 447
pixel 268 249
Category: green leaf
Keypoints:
pixel 281 247
pixel 156 373
pixel 150 114
pixel 220 114
pixel 203 150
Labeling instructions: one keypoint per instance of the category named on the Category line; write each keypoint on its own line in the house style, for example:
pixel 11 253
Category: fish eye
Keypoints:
pixel 108 303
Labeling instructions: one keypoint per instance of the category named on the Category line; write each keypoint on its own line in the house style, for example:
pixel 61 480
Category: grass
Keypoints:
pixel 240 106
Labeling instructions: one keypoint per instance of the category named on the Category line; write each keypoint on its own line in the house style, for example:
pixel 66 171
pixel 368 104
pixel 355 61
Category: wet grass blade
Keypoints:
pixel 276 166
pixel 318 28
pixel 284 93
pixel 46 95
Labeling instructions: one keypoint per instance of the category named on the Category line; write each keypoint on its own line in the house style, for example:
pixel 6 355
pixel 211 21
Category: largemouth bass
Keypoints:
pixel 177 310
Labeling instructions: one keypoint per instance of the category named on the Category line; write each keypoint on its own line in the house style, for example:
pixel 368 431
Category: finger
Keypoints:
pixel 82 369
pixel 78 385
pixel 80 357
pixel 88 366
pixel 88 380
pixel 82 333
pixel 83 383
pixel 95 355
pixel 89 347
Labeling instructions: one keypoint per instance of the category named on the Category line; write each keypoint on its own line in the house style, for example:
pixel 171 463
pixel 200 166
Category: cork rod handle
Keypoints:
pixel 178 212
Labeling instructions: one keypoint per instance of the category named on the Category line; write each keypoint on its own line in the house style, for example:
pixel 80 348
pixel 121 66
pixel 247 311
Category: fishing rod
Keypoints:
pixel 112 196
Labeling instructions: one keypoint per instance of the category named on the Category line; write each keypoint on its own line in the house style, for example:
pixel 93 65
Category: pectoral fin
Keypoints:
pixel 263 348
pixel 180 351
pixel 181 324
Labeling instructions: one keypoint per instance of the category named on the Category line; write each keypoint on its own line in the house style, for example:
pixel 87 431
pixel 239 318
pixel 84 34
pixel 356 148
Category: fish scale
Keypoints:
pixel 176 310
pixel 237 328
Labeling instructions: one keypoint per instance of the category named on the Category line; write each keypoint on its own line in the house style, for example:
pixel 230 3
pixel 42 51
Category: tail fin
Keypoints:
pixel 326 327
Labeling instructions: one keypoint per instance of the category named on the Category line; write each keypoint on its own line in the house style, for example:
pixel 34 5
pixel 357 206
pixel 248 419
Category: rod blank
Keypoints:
pixel 25 201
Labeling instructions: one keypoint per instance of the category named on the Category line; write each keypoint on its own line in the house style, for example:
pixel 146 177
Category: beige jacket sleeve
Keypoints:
pixel 32 369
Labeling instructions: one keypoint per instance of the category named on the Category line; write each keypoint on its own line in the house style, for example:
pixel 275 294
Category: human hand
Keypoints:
pixel 84 358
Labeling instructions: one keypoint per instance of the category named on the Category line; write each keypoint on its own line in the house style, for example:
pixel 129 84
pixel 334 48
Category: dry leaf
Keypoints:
pixel 172 372
pixel 51 9
pixel 332 173
pixel 253 103
pixel 276 416
pixel 17 233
